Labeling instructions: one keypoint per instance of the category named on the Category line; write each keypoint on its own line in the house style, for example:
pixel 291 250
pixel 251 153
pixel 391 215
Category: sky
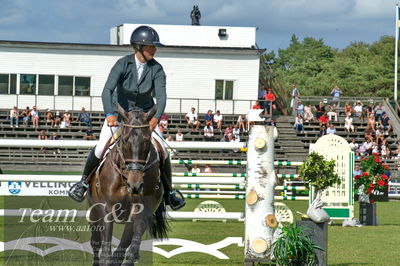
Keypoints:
pixel 338 22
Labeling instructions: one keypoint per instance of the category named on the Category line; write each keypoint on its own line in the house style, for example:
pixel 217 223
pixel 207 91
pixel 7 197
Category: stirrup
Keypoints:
pixel 179 200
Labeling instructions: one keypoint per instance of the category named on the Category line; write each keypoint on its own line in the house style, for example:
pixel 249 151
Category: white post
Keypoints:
pixel 395 52
pixel 260 187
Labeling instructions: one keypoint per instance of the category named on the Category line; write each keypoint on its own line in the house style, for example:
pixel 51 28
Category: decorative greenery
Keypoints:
pixel 294 247
pixel 373 174
pixel 318 172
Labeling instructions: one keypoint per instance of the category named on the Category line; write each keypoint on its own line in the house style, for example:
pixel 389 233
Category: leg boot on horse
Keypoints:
pixel 77 191
pixel 173 197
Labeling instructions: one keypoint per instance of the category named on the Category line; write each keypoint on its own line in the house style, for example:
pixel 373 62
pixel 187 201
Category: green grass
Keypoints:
pixel 372 245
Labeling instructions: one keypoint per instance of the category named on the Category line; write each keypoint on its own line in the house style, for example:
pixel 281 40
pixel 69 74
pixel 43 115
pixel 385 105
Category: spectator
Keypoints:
pixel 361 150
pixel 319 110
pixel 386 123
pixel 353 145
pixel 164 120
pixel 42 136
pixel 331 129
pixel 368 133
pixel 379 134
pixel 368 146
pixel 332 113
pixel 179 136
pixel 54 136
pixel 357 170
pixel 217 120
pixel 348 124
pixel 370 109
pixel 323 120
pixel 207 169
pixel 336 93
pixel 208 118
pixel 89 134
pixel 322 130
pixel 270 101
pixel 308 115
pixel 192 119
pixel 169 138
pixel 347 109
pixel 50 118
pixel 236 133
pixel 35 117
pixel 242 123
pixel 57 120
pixel 298 124
pixel 379 110
pixel 300 108
pixel 84 117
pixel 26 116
pixel 228 130
pixel 208 133
pixel 14 117
pixel 385 151
pixel 295 98
pixel 257 105
pixel 67 119
pixel 371 122
pixel 196 169
pixel 261 93
pixel 358 110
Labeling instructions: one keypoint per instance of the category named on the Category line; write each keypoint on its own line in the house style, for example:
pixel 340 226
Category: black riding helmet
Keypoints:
pixel 145 35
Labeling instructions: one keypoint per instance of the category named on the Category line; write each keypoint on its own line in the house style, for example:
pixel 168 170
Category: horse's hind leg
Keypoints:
pixel 139 227
pixel 119 253
pixel 95 242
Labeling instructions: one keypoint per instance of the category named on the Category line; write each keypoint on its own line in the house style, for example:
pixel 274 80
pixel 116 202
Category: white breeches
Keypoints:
pixel 107 132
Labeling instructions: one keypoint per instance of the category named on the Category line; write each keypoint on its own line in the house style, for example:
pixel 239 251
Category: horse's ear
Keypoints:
pixel 122 112
pixel 149 115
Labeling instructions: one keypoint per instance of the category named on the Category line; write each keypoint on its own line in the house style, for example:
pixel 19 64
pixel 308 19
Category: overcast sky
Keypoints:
pixel 338 22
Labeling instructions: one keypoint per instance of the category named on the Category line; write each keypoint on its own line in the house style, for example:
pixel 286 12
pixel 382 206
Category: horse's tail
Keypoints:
pixel 159 226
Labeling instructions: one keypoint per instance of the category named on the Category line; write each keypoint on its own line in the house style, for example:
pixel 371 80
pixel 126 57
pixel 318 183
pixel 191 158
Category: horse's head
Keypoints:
pixel 135 145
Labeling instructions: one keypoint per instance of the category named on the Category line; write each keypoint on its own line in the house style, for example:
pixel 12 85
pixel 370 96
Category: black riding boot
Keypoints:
pixel 173 197
pixel 78 190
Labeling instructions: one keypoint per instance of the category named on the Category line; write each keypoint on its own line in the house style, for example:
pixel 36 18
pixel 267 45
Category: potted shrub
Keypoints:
pixel 320 173
pixel 294 247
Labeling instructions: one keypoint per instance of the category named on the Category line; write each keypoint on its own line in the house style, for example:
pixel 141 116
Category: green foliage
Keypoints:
pixel 359 69
pixel 294 247
pixel 319 172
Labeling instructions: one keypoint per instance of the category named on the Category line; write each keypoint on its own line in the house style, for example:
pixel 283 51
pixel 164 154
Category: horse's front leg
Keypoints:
pixel 139 227
pixel 126 239
pixel 95 242
pixel 106 238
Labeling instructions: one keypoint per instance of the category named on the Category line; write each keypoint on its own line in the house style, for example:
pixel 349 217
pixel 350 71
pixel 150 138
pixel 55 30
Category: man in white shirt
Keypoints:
pixel 358 109
pixel 208 133
pixel 192 119
pixel 353 145
pixel 217 119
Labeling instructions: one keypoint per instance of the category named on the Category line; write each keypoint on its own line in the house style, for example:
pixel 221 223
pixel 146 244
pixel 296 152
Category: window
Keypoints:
pixel 8 83
pixel 65 85
pixel 46 85
pixel 27 84
pixel 224 89
pixel 82 86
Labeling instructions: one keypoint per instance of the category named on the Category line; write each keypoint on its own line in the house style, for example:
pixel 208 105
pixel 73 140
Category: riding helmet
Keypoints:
pixel 145 35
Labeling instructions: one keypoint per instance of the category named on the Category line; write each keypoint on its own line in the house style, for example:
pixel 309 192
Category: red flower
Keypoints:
pixel 377 159
pixel 376 154
pixel 369 191
pixel 381 183
pixel 365 174
pixel 357 177
pixel 386 167
pixel 371 200
pixel 363 159
pixel 385 177
pixel 372 186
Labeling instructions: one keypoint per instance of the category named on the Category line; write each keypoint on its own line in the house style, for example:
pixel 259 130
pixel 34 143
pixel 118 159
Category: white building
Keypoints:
pixel 207 67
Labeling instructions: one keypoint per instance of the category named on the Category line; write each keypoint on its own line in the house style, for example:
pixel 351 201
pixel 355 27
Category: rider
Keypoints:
pixel 131 83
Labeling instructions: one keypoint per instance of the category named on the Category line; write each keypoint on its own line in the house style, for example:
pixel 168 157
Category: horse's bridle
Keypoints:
pixel 135 164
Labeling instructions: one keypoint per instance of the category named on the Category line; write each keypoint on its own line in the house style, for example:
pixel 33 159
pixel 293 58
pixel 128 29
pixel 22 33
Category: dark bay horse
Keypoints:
pixel 127 190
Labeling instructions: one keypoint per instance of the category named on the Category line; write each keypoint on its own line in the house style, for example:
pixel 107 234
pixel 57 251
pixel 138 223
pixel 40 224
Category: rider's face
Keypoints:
pixel 149 51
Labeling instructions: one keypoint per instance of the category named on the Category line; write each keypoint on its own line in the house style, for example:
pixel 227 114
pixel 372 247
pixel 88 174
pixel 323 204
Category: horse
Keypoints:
pixel 127 189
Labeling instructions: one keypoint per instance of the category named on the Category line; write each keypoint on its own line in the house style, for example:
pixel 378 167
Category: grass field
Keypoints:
pixel 375 245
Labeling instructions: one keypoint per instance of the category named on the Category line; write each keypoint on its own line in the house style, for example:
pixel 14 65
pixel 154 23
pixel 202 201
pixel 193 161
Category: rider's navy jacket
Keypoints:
pixel 123 87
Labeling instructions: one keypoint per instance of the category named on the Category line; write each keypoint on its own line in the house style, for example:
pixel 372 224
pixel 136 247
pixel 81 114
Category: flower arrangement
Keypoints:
pixel 373 175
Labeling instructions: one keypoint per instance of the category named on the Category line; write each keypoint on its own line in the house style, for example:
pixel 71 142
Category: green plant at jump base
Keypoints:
pixel 294 247
pixel 318 172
